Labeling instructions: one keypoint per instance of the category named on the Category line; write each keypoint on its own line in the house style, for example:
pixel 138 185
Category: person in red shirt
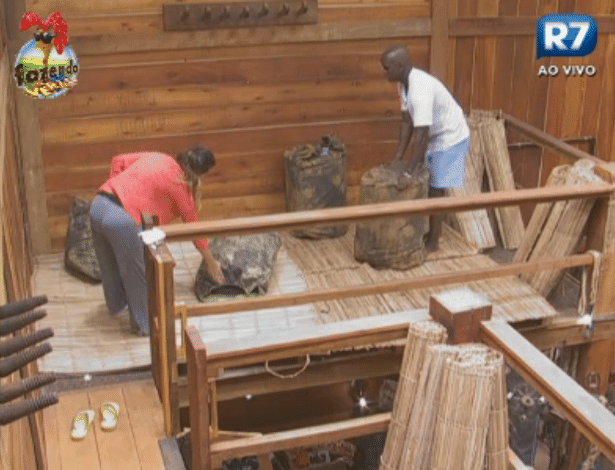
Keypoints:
pixel 144 182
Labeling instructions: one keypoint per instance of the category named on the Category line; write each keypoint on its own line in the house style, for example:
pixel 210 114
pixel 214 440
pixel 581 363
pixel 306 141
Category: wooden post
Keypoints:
pixel 148 221
pixel 460 311
pixel 438 62
pixel 196 362
pixel 159 265
pixel 28 135
pixel 596 358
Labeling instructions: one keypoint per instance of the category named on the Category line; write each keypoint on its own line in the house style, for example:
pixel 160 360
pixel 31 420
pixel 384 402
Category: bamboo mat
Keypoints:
pixel 88 339
pixel 474 225
pixel 330 263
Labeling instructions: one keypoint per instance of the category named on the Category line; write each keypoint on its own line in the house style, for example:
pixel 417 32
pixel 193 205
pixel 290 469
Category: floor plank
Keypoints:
pixel 116 448
pixel 50 424
pixel 76 454
pixel 145 416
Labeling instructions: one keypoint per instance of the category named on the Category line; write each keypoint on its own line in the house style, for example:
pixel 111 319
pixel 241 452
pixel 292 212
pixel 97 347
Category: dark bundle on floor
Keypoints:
pixel 79 255
pixel 247 264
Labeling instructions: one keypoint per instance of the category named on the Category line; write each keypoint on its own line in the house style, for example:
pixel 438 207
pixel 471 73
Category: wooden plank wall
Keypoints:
pixel 250 96
pixel 248 102
pixel 17 450
pixel 498 69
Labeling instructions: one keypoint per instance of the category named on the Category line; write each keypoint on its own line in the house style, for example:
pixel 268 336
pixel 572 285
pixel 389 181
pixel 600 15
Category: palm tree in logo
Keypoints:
pixel 49 34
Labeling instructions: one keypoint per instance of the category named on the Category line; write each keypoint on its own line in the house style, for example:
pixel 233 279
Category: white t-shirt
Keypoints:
pixel 430 104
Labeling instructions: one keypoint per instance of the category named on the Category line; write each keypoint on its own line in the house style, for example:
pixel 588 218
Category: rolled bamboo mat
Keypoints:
pixel 497 435
pixel 419 438
pixel 500 176
pixel 539 216
pixel 475 226
pixel 421 335
pixel 464 412
pixel 562 228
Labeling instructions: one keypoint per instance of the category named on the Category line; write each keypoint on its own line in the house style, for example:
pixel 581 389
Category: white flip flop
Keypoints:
pixel 109 412
pixel 81 424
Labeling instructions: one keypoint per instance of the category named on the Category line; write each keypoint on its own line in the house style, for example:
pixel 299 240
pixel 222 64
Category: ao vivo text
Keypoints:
pixel 567 70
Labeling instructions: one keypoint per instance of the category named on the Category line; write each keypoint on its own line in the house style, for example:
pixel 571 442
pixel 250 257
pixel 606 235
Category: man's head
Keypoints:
pixel 396 63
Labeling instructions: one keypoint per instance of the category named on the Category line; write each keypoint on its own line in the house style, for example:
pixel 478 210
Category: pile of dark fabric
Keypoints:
pixel 79 256
pixel 247 263
pixel 315 177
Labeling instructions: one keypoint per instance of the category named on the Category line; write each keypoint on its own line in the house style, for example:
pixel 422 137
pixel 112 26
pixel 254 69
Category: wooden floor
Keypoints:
pixel 133 445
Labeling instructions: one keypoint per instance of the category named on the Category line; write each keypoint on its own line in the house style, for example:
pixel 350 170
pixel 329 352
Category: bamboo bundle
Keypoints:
pixel 562 228
pixel 419 439
pixel 500 176
pixel 475 226
pixel 463 412
pixel 539 216
pixel 497 436
pixel 421 335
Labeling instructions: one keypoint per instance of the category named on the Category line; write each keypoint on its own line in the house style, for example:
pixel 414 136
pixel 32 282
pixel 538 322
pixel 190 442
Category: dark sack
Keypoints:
pixel 247 263
pixel 394 243
pixel 79 255
pixel 315 178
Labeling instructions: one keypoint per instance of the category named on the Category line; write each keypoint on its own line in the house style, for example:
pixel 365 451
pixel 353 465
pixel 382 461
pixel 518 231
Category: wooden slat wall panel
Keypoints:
pixel 247 103
pixel 250 98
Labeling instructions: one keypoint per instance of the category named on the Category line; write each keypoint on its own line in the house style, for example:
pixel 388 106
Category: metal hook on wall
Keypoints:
pixel 285 10
pixel 185 14
pixel 264 11
pixel 226 13
pixel 206 14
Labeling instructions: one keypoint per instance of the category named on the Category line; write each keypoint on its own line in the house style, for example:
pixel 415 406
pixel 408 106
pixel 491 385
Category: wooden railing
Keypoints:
pixel 160 263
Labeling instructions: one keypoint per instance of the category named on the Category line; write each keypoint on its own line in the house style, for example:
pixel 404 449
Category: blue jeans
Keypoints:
pixel 119 251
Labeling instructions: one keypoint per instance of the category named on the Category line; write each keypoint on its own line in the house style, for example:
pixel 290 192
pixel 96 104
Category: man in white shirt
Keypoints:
pixel 435 123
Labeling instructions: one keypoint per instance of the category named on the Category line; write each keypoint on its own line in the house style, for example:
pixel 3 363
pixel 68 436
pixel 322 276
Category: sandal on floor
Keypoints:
pixel 109 412
pixel 81 424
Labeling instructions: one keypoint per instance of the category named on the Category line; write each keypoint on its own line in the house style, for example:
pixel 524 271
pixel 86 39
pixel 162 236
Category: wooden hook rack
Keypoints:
pixel 200 16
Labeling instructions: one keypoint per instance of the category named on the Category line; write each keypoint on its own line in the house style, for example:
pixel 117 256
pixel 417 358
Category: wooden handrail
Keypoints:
pixel 286 300
pixel 359 213
pixel 549 142
pixel 585 413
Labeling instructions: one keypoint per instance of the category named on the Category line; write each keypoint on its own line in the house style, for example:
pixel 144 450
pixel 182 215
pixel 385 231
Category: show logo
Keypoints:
pixel 46 66
pixel 566 35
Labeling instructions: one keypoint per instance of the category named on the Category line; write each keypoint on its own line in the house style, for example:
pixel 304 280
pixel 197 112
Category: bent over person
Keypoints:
pixel 146 182
pixel 435 123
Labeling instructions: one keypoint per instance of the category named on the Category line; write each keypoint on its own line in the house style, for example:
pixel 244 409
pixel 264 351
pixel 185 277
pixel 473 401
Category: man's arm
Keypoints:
pixel 405 134
pixel 419 147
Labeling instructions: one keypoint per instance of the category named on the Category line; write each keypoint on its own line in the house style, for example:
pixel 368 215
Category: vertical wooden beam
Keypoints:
pixel 196 362
pixel 169 338
pixel 438 63
pixel 147 222
pixel 159 266
pixel 29 139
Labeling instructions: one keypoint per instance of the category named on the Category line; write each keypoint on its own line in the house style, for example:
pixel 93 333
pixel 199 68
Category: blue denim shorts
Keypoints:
pixel 447 167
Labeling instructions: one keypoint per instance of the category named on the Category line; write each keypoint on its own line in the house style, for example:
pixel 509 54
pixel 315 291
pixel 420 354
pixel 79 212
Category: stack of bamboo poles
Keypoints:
pixel 475 226
pixel 421 335
pixel 456 414
pixel 555 228
pixel 499 173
